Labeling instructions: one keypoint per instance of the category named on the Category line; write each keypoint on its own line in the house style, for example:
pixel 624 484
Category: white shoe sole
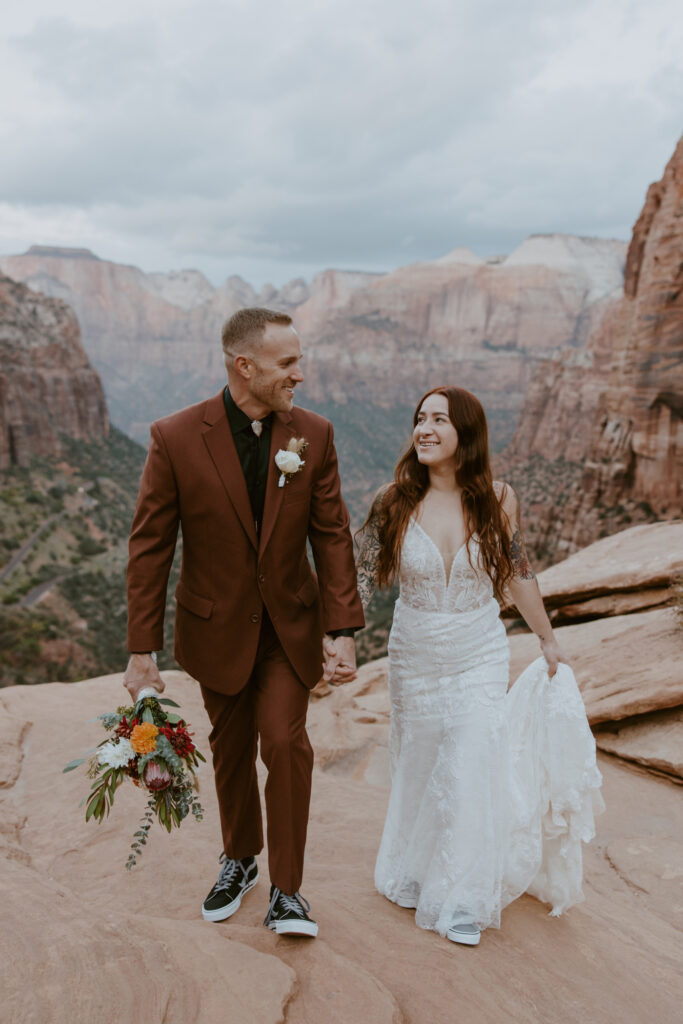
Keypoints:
pixel 407 902
pixel 294 928
pixel 463 938
pixel 223 913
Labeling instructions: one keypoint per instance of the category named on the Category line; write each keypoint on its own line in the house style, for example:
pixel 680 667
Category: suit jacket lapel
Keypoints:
pixel 280 437
pixel 221 445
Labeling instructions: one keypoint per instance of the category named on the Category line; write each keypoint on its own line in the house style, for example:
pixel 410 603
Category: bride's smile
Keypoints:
pixel 435 438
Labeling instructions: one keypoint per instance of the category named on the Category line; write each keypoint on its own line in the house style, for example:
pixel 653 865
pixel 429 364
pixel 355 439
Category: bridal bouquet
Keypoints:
pixel 154 749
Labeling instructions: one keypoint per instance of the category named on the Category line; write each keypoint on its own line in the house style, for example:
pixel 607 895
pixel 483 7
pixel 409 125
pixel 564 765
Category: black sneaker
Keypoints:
pixel 235 879
pixel 288 915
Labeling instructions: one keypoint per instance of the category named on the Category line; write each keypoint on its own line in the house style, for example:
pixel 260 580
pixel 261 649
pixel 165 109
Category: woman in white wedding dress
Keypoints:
pixel 492 792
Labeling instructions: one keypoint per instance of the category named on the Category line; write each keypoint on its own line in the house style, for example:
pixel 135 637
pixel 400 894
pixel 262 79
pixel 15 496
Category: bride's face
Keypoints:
pixel 435 438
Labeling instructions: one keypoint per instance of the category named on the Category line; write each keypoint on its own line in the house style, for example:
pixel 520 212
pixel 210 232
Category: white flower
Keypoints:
pixel 288 462
pixel 116 755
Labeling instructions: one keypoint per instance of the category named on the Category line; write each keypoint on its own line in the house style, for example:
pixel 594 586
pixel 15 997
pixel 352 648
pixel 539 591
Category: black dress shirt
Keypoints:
pixel 253 453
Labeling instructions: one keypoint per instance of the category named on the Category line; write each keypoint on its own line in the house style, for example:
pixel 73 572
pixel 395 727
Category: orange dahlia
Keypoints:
pixel 143 738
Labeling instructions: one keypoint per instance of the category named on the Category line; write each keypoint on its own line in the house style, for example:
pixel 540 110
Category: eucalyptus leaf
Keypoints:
pixel 91 808
pixel 169 703
pixel 74 764
pixel 110 720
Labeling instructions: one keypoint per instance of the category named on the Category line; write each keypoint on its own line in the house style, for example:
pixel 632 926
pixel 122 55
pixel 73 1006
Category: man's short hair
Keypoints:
pixel 243 331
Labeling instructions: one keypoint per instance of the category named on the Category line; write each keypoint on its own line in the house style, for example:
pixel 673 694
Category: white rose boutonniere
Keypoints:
pixel 288 460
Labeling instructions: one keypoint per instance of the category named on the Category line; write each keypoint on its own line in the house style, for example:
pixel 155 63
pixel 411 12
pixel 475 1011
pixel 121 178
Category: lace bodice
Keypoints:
pixel 423 581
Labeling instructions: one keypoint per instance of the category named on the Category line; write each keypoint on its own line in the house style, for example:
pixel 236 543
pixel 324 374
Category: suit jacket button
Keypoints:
pixel 254 617
pixel 262 579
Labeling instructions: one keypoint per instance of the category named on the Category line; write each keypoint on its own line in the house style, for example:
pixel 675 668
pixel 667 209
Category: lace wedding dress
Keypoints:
pixel 492 792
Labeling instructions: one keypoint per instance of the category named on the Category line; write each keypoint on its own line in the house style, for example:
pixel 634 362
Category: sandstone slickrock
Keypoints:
pixel 655 740
pixel 625 665
pixel 109 945
pixel 629 571
pixel 47 385
pixel 135 941
pixel 600 438
pixel 70 959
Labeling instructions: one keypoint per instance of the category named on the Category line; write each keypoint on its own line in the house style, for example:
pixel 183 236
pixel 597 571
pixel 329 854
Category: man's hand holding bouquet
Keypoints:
pixel 152 747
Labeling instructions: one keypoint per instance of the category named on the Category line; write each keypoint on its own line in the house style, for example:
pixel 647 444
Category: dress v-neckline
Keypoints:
pixel 446 572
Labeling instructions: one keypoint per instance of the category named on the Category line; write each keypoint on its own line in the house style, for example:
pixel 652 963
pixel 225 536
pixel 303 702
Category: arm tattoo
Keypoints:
pixel 366 564
pixel 520 559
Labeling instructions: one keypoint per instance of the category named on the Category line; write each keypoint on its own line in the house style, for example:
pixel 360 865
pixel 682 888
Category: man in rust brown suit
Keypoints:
pixel 253 624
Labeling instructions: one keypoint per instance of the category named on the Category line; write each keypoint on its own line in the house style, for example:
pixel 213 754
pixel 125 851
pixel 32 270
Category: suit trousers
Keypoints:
pixel 272 708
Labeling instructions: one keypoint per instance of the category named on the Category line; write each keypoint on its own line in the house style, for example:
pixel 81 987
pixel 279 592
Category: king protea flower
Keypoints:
pixel 156 777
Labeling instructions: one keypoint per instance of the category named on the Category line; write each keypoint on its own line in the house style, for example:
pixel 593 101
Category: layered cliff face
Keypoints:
pixel 461 321
pixel 154 338
pixel 612 416
pixel 369 338
pixel 47 386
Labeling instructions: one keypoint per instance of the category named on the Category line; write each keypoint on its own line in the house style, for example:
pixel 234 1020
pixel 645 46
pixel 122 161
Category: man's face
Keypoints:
pixel 277 368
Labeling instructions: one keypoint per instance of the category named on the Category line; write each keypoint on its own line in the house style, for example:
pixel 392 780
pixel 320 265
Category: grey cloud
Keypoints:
pixel 88 65
pixel 342 135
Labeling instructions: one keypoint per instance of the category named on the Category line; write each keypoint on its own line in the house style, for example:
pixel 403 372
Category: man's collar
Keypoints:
pixel 237 418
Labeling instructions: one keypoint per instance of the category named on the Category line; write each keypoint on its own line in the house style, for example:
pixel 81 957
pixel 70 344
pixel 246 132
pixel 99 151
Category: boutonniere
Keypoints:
pixel 288 460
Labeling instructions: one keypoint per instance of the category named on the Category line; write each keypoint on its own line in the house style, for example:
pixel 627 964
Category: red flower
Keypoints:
pixel 179 738
pixel 125 728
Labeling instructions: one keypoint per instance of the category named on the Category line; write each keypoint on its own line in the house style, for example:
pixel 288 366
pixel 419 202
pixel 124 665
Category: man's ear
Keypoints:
pixel 243 366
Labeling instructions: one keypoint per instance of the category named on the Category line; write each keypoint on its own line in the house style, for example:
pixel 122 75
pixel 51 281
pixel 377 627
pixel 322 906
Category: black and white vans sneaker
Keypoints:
pixel 236 878
pixel 288 915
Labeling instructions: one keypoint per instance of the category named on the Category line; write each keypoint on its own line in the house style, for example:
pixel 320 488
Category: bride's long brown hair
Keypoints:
pixel 481 506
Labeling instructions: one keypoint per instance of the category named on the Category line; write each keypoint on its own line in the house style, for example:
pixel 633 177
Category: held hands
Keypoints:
pixel 339 657
pixel 142 671
pixel 552 654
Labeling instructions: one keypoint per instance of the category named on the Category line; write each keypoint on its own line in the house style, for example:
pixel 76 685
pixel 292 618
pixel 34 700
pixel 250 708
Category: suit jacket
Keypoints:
pixel 193 478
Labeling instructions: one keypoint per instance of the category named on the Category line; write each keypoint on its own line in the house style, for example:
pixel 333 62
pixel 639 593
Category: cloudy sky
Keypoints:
pixel 274 139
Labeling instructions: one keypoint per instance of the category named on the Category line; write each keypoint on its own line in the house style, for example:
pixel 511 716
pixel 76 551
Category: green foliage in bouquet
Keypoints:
pixel 154 748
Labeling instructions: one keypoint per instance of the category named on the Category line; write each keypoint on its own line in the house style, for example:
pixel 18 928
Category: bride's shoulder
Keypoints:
pixel 380 496
pixel 374 515
pixel 506 496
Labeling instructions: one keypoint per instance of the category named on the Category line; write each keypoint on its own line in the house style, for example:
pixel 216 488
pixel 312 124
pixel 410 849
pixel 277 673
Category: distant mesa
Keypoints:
pixel 602 258
pixel 460 255
pixel 380 338
pixel 62 252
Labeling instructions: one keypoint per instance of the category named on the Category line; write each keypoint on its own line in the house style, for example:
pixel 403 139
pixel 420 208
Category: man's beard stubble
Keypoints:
pixel 271 395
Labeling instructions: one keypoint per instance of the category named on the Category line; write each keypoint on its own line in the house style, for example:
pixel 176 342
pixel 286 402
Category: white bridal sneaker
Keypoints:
pixel 409 896
pixel 466 934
